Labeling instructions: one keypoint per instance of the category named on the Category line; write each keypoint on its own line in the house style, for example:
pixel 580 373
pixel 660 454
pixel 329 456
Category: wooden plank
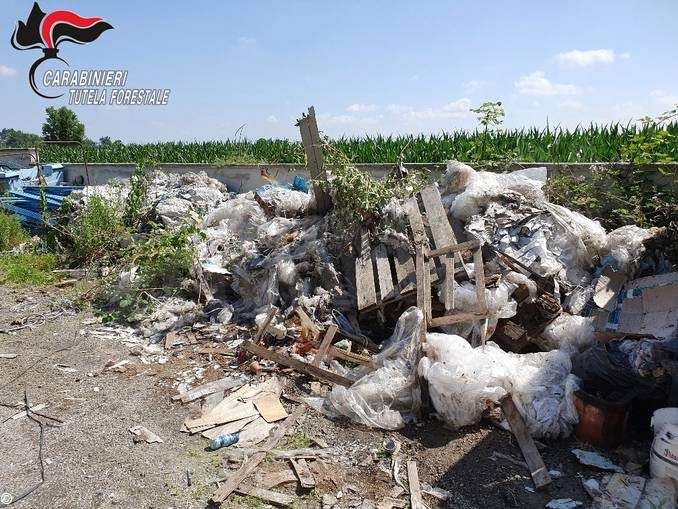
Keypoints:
pixel 223 414
pixel 386 288
pixel 457 248
pixel 307 323
pixel 479 270
pixel 538 471
pixel 315 160
pixel 267 322
pixel 438 222
pixel 208 388
pixel 273 479
pixel 270 408
pixel 364 274
pixel 297 365
pixel 416 500
pixel 419 232
pixel 254 432
pixel 455 318
pixel 275 498
pixel 325 345
pixel 251 465
pixel 228 428
pixel 305 476
pixel 421 281
pixel 405 271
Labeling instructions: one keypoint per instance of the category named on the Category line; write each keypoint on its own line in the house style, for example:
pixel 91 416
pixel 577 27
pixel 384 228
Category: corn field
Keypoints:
pixel 594 143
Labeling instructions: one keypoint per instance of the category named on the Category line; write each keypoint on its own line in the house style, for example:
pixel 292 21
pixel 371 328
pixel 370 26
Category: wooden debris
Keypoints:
pixel 266 324
pixel 273 497
pixel 303 473
pixel 254 432
pixel 228 428
pixel 234 481
pixel 270 408
pixel 239 453
pixel 538 471
pixel 310 331
pixel 142 434
pixel 315 160
pixel 325 345
pixel 273 479
pixel 209 388
pixel 297 365
pixel 226 411
pixel 416 501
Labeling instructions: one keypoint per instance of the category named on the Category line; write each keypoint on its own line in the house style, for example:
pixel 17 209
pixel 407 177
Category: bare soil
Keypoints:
pixel 91 461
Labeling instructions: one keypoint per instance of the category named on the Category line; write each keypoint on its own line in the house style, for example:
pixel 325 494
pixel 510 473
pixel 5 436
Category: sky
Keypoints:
pixel 368 67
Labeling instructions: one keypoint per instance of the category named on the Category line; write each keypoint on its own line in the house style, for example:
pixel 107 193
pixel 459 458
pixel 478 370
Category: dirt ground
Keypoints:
pixel 91 461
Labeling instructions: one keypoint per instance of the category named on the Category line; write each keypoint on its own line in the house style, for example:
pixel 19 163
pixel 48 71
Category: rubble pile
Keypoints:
pixel 550 306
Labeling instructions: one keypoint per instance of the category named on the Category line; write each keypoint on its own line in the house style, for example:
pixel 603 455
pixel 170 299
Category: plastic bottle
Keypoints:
pixel 224 441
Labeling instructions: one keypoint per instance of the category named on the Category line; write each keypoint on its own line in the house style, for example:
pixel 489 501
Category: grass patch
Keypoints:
pixel 26 269
pixel 98 230
pixel 298 441
pixel 11 232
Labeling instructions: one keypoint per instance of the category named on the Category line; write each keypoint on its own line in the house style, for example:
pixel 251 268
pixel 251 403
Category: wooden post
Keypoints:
pixel 315 160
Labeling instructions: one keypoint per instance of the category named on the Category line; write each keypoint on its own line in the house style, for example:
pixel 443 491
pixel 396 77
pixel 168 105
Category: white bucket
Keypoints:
pixel 664 452
pixel 663 416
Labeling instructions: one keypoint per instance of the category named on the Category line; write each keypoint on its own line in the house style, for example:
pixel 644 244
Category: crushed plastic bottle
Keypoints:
pixel 224 441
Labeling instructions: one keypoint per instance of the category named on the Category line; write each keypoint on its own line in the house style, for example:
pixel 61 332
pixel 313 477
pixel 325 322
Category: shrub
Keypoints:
pixel 11 232
pixel 98 230
pixel 25 269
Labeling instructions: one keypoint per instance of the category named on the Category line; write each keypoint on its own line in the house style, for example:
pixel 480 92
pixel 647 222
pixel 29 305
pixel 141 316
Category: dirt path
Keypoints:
pixel 90 461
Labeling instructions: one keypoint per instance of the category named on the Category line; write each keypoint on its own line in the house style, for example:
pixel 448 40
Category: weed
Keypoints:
pixel 490 116
pixel 252 501
pixel 298 441
pixel 97 232
pixel 11 232
pixel 202 491
pixel 136 198
pixel 27 269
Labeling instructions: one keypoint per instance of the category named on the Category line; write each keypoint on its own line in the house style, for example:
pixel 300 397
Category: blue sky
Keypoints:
pixel 377 66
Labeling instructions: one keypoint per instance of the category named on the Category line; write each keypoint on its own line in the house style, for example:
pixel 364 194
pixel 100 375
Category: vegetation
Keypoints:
pixel 11 232
pixel 62 124
pixel 602 143
pixel 27 269
pixel 12 138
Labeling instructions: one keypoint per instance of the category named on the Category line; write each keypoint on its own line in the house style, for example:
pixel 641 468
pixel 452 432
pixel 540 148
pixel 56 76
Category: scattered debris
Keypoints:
pixel 563 503
pixel 595 459
pixel 142 434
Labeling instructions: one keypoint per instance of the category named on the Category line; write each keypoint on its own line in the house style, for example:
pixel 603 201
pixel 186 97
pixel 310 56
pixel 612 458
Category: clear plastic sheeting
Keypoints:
pixel 242 216
pixel 625 245
pixel 462 380
pixel 379 398
pixel 567 332
pixel 286 202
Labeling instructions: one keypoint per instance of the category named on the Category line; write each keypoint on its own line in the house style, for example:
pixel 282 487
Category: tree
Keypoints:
pixel 13 138
pixel 62 125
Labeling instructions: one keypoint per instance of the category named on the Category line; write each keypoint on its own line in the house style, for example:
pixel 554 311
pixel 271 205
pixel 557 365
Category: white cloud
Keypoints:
pixel 536 84
pixel 664 99
pixel 473 85
pixel 586 58
pixel 246 41
pixel 414 77
pixel 625 56
pixel 7 72
pixel 361 108
pixel 272 119
pixel 571 104
pixel 337 119
pixel 455 109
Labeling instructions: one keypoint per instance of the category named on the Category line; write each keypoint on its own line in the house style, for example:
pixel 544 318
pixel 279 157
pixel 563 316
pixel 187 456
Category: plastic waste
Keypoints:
pixel 662 416
pixel 664 449
pixel 462 380
pixel 593 459
pixel 242 216
pixel 381 397
pixel 563 503
pixel 224 440
pixel 286 202
pixel 569 333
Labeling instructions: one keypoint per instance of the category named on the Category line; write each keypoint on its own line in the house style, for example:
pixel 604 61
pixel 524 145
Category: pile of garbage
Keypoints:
pixel 558 279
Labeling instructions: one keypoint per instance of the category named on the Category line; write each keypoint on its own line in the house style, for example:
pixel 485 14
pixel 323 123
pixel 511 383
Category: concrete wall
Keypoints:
pixel 22 157
pixel 247 177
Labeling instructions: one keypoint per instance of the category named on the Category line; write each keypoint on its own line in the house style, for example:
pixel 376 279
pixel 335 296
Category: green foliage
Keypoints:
pixel 97 231
pixel 597 143
pixel 11 232
pixel 165 258
pixel 62 124
pixel 298 441
pixel 26 269
pixel 136 198
pixel 13 138
pixel 490 116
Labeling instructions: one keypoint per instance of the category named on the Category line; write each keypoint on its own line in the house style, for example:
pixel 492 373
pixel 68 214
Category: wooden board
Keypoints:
pixel 419 233
pixel 251 465
pixel 208 388
pixel 386 287
pixel 405 271
pixel 538 471
pixel 222 414
pixel 270 408
pixel 315 160
pixel 416 500
pixel 228 428
pixel 273 479
pixel 254 432
pixel 305 476
pixel 269 318
pixel 364 274
pixel 455 318
pixel 297 365
pixel 325 345
pixel 275 498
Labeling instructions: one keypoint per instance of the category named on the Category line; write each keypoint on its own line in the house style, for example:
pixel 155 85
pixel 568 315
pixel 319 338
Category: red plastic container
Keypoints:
pixel 601 423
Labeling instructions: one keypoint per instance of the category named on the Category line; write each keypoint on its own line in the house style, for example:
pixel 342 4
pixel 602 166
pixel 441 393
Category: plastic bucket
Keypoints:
pixel 663 416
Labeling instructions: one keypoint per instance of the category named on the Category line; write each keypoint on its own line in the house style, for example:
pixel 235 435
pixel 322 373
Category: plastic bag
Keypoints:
pixel 241 215
pixel 569 333
pixel 625 244
pixel 463 379
pixel 379 398
pixel 286 202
